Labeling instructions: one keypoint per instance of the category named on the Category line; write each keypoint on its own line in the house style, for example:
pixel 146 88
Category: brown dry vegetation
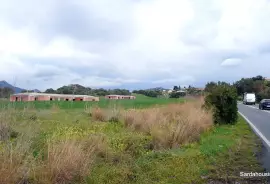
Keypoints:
pixel 69 161
pixel 169 126
pixel 65 162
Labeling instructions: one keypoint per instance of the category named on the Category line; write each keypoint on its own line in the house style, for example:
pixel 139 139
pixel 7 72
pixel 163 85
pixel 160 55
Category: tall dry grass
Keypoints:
pixel 112 114
pixel 65 162
pixel 172 125
pixel 6 118
pixel 15 161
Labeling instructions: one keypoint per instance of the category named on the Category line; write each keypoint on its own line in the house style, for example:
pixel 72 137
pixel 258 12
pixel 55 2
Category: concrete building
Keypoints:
pixel 50 97
pixel 119 97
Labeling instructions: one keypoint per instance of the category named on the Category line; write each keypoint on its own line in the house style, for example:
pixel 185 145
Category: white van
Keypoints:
pixel 249 98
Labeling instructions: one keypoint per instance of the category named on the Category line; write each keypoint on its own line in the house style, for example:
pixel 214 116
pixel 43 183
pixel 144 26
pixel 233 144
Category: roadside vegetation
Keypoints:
pixel 258 85
pixel 147 140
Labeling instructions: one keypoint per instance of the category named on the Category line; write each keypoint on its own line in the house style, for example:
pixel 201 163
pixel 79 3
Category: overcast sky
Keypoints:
pixel 132 43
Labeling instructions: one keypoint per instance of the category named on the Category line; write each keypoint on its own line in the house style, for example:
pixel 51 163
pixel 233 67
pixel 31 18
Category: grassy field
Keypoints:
pixel 176 143
pixel 140 102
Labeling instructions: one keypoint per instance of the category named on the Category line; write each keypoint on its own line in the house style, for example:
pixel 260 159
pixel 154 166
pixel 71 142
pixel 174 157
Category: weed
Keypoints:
pixel 15 162
pixel 98 114
pixel 65 162
pixel 4 132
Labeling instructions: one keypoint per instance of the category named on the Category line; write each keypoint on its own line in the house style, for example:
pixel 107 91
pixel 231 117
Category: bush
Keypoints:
pixel 149 93
pixel 263 95
pixel 177 94
pixel 170 126
pixel 222 99
pixel 240 98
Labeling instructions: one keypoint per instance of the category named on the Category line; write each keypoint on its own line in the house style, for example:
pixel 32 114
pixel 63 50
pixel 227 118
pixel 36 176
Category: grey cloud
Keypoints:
pixel 264 48
pixel 77 22
pixel 202 29
pixel 91 29
pixel 65 18
pixel 46 74
pixel 233 54
pixel 84 25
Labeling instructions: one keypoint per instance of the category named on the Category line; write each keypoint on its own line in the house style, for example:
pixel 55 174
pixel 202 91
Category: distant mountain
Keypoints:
pixel 4 84
pixel 36 91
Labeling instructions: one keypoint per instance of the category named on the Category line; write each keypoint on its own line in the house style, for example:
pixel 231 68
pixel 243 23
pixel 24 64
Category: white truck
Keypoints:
pixel 249 98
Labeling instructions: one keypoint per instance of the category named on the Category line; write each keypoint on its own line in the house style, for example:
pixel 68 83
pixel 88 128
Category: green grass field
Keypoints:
pixel 54 145
pixel 141 101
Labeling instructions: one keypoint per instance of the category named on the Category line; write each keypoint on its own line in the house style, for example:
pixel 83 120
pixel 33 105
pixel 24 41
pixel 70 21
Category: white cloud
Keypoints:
pixel 63 48
pixel 158 25
pixel 103 43
pixel 231 62
pixel 177 80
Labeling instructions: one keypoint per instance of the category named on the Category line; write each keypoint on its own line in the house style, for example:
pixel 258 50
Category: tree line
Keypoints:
pixel 149 93
pixel 258 85
pixel 77 89
pixel 6 92
pixel 177 92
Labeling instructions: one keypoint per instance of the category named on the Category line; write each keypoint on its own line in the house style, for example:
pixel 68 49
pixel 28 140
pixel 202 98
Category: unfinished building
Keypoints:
pixel 50 97
pixel 119 97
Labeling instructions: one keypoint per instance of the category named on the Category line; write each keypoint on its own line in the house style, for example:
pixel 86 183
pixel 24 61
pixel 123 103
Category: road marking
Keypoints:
pixel 266 111
pixel 255 107
pixel 256 130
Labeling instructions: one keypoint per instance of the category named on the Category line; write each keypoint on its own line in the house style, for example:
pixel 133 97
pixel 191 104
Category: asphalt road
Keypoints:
pixel 259 120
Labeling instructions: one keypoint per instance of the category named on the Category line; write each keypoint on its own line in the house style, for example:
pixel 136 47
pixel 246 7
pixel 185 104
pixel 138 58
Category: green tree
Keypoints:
pixel 258 78
pixel 177 94
pixel 64 90
pixel 209 86
pixel 222 99
pixel 101 92
pixel 150 93
pixel 257 85
pixel 50 90
pixel 175 88
pixel 6 92
pixel 119 92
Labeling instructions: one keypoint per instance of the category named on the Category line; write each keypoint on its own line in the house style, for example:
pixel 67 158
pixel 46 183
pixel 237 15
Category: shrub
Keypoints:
pixel 177 94
pixel 113 114
pixel 172 125
pixel 98 114
pixel 222 99
pixel 263 95
pixel 239 98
